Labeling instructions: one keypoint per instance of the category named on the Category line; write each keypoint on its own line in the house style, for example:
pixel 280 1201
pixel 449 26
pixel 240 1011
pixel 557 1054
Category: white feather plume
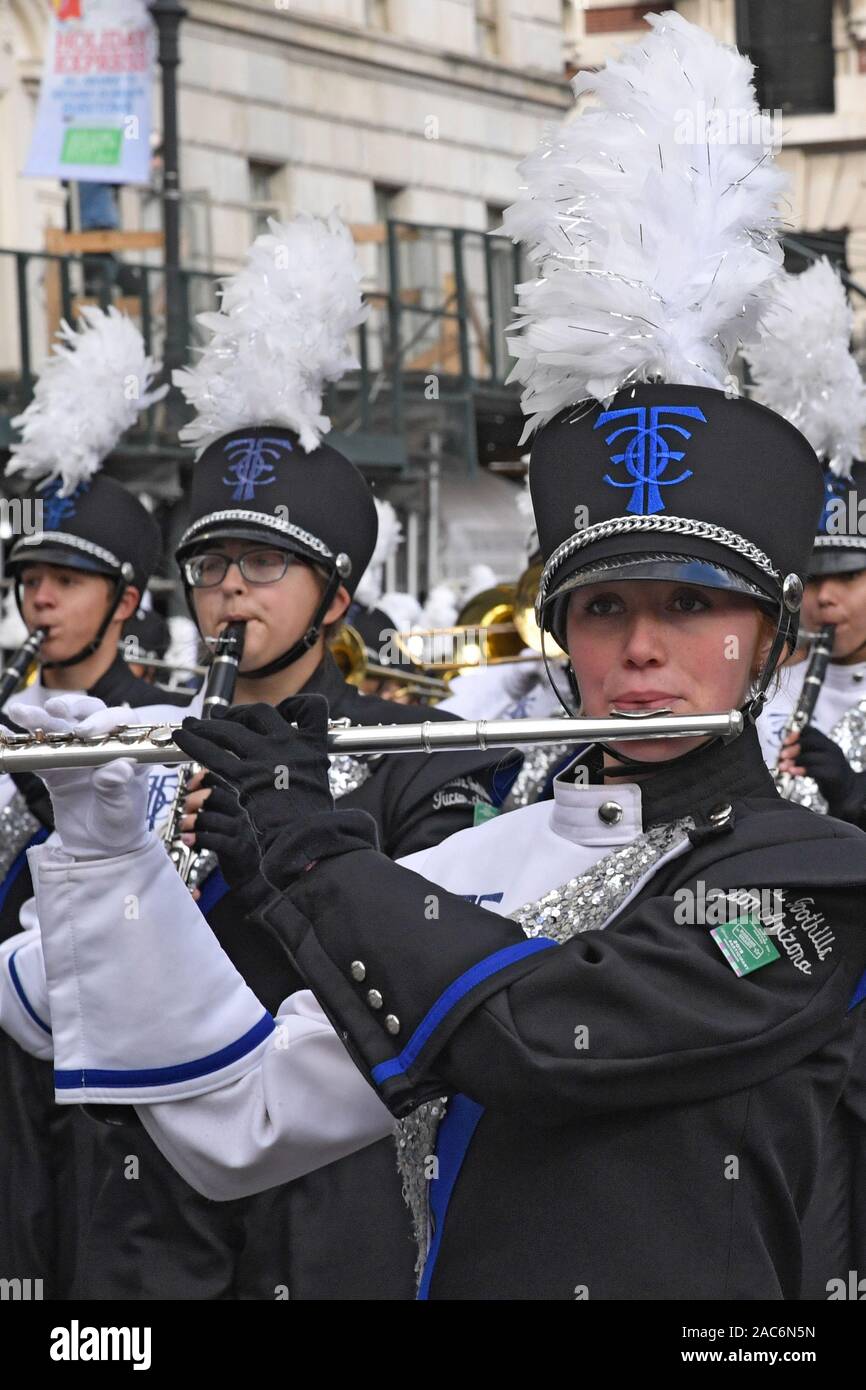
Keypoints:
pixel 440 610
pixel 280 334
pixel 479 578
pixel 402 608
pixel 524 500
pixel 90 392
pixel 803 367
pixel 651 217
pixel 185 644
pixel 388 539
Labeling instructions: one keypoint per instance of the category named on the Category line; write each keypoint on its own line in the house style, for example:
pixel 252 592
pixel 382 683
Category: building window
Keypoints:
pixel 791 44
pixel 487 28
pixel 376 14
pixel 572 32
pixel 265 194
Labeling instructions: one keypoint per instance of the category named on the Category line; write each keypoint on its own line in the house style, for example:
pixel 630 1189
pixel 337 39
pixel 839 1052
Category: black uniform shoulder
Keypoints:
pixel 372 710
pixel 118 686
pixel 779 841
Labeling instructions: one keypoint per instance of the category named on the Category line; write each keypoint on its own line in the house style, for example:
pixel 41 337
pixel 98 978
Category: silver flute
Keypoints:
pixel 154 743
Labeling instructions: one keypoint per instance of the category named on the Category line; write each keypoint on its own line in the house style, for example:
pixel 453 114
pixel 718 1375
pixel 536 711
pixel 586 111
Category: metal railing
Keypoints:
pixel 437 324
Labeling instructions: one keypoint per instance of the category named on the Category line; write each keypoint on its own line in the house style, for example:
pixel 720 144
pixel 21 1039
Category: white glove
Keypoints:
pixel 98 812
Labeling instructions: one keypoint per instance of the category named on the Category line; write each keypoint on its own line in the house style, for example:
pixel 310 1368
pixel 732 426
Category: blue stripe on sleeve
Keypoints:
pixel 19 990
pixel 482 970
pixel 452 1142
pixel 163 1076
pixel 19 864
pixel 213 890
pixel 859 993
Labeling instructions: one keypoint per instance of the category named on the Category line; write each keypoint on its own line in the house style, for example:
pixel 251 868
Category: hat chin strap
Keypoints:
pixel 309 639
pixel 123 579
pixel 750 710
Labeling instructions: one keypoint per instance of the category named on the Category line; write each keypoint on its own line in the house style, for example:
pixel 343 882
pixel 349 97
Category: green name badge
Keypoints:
pixel 92 145
pixel 745 945
pixel 483 812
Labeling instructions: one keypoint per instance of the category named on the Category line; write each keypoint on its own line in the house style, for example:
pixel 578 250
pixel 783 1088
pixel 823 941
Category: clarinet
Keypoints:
pixel 819 658
pixel 191 864
pixel 19 665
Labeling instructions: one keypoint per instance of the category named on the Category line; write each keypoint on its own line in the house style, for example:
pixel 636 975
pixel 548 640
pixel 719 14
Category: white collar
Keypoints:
pixel 847 679
pixel 576 814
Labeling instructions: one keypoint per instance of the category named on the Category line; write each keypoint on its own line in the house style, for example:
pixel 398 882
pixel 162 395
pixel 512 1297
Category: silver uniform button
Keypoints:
pixel 359 970
pixel 392 1023
pixel 720 814
pixel 374 999
pixel 610 812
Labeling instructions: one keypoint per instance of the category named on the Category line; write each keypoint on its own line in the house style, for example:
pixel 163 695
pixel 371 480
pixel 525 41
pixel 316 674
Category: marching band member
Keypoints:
pixel 79 577
pixel 634 1098
pixel 280 527
pixel 821 391
pixel 822 766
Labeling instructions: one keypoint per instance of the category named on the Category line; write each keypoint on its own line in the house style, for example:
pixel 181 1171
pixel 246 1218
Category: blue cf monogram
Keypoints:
pixel 834 490
pixel 161 788
pixel 56 509
pixel 647 453
pixel 250 466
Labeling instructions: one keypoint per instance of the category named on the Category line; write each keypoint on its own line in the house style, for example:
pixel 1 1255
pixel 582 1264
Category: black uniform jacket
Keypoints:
pixel 343 1232
pixel 674 1157
pixel 38 1189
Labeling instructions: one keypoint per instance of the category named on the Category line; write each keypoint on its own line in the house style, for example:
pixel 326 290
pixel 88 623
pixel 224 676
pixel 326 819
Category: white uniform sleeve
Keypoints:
pixel 24 1010
pixel 146 1008
pixel 144 1004
pixel 305 1105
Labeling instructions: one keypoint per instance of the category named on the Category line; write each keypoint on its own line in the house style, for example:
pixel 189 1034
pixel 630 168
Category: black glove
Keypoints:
pixel 222 827
pixel 843 789
pixel 277 762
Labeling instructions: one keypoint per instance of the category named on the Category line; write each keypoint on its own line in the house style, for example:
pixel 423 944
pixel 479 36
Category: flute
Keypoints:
pixel 153 743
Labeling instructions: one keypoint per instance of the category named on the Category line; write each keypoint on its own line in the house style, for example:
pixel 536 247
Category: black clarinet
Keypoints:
pixel 223 674
pixel 218 695
pixel 819 659
pixel 18 667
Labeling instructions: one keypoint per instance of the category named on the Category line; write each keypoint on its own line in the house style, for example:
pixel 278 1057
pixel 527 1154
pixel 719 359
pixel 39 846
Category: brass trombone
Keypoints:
pixel 493 629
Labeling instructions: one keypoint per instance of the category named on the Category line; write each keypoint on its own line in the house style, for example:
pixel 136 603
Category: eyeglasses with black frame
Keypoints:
pixel 258 566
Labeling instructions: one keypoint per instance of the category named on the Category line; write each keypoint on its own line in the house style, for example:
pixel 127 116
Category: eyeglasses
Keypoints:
pixel 256 566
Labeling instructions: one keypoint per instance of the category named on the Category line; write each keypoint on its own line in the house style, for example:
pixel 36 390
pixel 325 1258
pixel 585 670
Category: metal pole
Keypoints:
pixel 169 15
pixel 412 553
pixel 433 505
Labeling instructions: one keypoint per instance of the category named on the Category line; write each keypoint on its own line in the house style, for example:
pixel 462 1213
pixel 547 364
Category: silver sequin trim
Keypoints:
pixel 585 903
pixel 538 760
pixel 17 827
pixel 347 773
pixel 672 525
pixel 850 734
pixel 73 542
pixel 841 542
pixel 274 523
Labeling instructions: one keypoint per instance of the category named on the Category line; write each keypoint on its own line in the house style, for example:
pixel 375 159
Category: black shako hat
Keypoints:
pixel 146 634
pixel 713 489
pixel 100 527
pixel 259 484
pixel 840 546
